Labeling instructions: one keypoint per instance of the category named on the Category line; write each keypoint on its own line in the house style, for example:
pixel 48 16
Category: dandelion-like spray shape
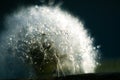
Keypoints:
pixel 52 40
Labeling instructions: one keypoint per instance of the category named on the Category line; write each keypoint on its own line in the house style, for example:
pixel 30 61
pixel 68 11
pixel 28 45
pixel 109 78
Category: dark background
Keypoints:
pixel 101 18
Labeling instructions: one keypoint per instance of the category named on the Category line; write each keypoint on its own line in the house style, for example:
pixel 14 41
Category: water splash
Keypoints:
pixel 50 37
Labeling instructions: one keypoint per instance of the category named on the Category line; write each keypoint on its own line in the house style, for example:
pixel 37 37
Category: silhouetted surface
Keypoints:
pixel 96 76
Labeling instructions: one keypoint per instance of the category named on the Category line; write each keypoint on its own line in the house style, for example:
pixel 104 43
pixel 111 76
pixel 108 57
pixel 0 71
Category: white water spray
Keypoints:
pixel 64 34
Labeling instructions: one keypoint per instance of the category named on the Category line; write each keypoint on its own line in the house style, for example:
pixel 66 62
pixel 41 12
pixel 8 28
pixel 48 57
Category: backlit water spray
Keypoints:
pixel 51 39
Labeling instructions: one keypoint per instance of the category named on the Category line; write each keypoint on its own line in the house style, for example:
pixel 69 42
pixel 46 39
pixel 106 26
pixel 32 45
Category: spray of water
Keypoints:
pixel 56 38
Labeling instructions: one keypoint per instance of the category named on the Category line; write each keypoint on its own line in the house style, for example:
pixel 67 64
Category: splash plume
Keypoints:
pixel 50 38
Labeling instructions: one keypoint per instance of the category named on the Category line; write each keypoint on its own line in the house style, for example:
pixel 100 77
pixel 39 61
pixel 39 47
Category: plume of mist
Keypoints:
pixel 65 34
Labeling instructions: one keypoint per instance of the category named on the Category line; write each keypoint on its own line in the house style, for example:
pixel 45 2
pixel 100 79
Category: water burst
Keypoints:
pixel 52 40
